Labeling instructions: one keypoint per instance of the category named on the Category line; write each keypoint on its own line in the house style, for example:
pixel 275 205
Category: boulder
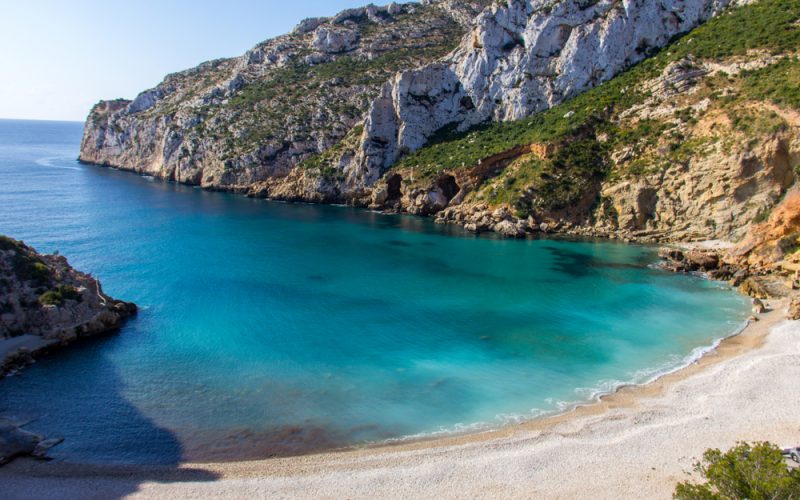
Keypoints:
pixel 702 260
pixel 508 229
pixel 309 25
pixel 758 306
pixel 794 308
pixel 754 288
pixel 335 40
pixel 14 442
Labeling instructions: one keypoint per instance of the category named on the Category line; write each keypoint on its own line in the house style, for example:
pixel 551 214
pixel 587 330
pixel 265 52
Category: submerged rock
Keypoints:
pixel 16 442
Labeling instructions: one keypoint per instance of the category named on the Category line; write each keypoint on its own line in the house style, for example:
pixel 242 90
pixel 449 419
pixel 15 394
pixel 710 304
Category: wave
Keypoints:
pixel 591 395
pixel 49 161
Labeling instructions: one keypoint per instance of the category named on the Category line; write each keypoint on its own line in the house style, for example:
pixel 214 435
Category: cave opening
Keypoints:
pixel 393 187
pixel 449 186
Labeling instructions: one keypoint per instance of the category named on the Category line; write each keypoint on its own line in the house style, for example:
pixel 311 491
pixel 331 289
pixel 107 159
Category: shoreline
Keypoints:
pixel 364 471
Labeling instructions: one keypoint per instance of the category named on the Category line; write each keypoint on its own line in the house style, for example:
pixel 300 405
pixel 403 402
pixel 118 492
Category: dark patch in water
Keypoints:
pixel 398 243
pixel 278 441
pixel 578 265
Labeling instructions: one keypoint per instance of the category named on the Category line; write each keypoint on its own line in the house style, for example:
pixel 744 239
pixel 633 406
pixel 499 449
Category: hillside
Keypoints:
pixel 696 142
pixel 618 119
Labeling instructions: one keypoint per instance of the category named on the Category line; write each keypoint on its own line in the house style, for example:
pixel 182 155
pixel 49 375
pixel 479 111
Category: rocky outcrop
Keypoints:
pixel 229 125
pixel 323 115
pixel 16 442
pixel 46 304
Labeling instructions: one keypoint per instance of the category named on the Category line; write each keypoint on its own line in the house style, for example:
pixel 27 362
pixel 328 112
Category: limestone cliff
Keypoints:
pixel 520 58
pixel 45 303
pixel 230 123
pixel 698 142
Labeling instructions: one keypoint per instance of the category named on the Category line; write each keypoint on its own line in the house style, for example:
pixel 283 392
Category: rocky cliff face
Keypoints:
pixel 697 142
pixel 45 303
pixel 520 58
pixel 565 116
pixel 230 123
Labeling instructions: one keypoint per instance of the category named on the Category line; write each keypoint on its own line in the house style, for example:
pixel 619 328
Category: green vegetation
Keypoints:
pixel 28 267
pixel 25 265
pixel 59 295
pixel 325 162
pixel 779 83
pixel 7 243
pixel 756 472
pixel 298 97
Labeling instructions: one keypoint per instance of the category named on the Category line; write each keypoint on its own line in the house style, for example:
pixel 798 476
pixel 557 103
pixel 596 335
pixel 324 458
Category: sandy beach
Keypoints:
pixel 636 443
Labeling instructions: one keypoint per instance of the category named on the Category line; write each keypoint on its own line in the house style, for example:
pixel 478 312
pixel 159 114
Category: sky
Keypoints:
pixel 59 57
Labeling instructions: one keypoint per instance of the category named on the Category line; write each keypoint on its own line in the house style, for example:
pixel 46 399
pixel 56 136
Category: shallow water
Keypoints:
pixel 270 329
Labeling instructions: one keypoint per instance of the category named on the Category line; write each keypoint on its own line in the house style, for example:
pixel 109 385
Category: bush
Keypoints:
pixel 57 296
pixel 755 472
pixel 29 268
pixel 7 243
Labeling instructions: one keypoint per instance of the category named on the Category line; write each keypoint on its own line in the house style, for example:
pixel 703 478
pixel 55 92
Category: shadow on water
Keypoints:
pixel 108 423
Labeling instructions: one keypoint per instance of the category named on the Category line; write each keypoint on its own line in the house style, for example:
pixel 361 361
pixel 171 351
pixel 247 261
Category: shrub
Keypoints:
pixel 59 295
pixel 51 298
pixel 755 472
pixel 7 243
pixel 30 268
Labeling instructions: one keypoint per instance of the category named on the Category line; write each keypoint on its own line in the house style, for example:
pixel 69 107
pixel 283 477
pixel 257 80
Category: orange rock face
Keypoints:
pixel 775 240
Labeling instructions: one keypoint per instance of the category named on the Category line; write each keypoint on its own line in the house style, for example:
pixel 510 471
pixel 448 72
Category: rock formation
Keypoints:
pixel 520 58
pixel 45 304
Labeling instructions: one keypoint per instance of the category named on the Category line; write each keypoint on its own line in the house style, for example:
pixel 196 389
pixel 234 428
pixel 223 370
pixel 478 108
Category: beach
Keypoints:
pixel 638 442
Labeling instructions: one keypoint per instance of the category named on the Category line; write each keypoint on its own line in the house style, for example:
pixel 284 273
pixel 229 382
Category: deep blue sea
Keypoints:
pixel 271 329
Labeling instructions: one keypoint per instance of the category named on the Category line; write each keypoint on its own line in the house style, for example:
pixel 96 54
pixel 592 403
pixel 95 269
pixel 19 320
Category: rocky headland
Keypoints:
pixel 45 304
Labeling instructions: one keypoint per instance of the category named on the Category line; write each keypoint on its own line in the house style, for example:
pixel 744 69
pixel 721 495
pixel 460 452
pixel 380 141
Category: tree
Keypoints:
pixel 756 472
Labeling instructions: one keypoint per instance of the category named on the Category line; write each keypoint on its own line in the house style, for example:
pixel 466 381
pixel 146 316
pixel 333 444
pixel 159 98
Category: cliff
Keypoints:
pixel 46 304
pixel 230 123
pixel 634 119
pixel 699 141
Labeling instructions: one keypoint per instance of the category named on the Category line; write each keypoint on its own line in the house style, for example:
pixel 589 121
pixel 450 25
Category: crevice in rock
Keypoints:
pixel 449 186
pixel 393 187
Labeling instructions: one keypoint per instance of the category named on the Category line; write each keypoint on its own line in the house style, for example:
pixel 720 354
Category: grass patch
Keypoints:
pixel 778 83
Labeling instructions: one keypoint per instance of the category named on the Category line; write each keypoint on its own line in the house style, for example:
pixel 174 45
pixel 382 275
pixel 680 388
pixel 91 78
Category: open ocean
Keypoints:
pixel 272 329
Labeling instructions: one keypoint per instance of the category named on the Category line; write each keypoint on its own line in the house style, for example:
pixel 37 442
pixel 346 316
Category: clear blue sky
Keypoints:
pixel 59 57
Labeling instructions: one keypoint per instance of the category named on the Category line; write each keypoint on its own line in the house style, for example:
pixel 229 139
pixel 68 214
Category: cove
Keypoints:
pixel 271 329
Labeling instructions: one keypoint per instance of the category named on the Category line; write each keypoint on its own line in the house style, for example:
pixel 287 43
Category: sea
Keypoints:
pixel 272 329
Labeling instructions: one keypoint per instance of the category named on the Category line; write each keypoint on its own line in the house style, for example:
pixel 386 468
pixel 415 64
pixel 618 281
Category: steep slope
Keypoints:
pixel 229 123
pixel 520 58
pixel 696 142
pixel 560 115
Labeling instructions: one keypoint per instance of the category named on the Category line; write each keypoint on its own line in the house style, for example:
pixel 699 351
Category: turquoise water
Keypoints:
pixel 271 329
